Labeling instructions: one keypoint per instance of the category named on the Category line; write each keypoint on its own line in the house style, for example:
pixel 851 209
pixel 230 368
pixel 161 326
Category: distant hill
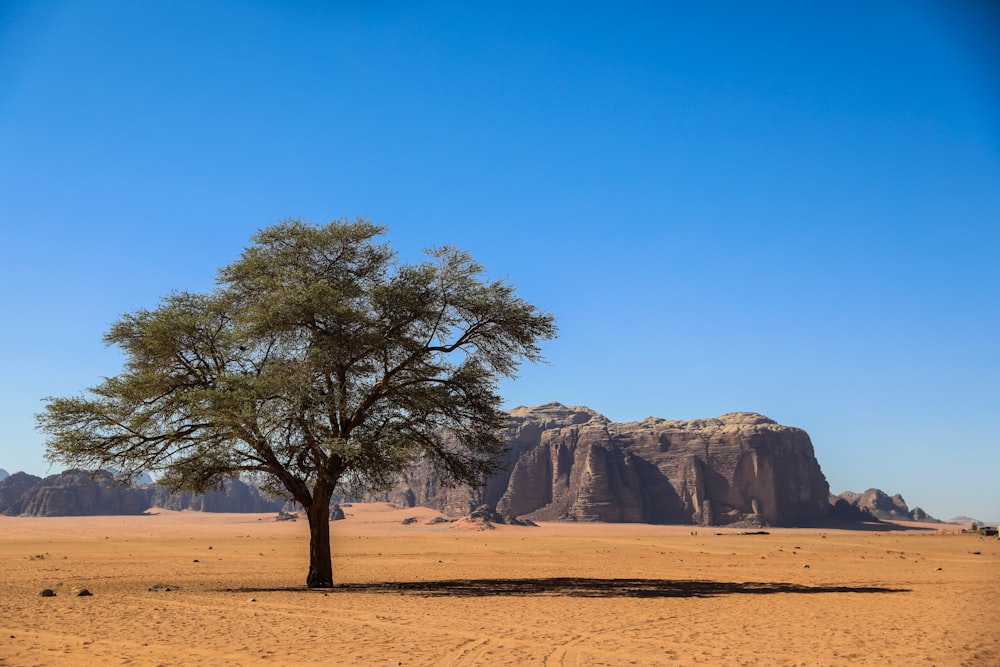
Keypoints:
pixel 964 520
pixel 81 493
pixel 968 521
pixel 3 474
pixel 880 505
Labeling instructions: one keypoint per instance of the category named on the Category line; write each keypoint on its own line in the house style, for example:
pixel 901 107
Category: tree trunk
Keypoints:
pixel 320 561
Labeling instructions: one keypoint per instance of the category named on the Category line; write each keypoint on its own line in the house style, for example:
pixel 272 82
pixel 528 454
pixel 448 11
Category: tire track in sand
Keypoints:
pixel 466 654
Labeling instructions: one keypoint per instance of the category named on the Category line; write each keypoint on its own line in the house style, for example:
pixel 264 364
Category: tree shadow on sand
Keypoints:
pixel 580 587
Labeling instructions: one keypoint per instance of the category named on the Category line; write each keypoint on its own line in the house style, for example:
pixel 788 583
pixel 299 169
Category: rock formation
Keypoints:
pixel 843 510
pixel 234 496
pixel 563 463
pixel 79 493
pixel 15 491
pixel 880 505
pixel 575 464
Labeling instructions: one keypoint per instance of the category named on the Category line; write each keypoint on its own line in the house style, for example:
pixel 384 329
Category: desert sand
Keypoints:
pixel 187 588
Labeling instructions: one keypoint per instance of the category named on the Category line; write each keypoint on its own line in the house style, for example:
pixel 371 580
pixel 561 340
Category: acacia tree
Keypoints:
pixel 319 363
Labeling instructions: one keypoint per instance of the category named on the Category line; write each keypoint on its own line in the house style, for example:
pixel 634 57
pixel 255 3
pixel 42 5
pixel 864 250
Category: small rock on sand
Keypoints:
pixel 164 588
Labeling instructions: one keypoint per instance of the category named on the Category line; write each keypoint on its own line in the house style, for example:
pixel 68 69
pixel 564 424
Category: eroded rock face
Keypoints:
pixel 80 493
pixel 234 496
pixel 564 463
pixel 575 464
pixel 881 505
pixel 15 492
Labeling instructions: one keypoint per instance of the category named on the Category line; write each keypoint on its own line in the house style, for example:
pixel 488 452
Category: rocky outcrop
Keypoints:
pixel 79 493
pixel 234 496
pixel 16 491
pixel 842 510
pixel 574 464
pixel 563 463
pixel 881 505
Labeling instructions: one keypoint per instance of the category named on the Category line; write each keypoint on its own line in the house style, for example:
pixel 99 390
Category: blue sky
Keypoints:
pixel 788 208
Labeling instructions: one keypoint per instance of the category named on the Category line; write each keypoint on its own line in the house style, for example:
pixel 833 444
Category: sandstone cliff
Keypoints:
pixel 16 491
pixel 74 493
pixel 234 496
pixel 563 463
pixel 79 493
pixel 881 505
pixel 574 464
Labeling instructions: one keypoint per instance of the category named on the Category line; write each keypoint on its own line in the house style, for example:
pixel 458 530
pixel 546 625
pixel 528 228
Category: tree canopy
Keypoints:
pixel 320 363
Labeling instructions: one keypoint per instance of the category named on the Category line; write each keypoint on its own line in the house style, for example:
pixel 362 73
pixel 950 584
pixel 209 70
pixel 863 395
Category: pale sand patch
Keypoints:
pixel 559 594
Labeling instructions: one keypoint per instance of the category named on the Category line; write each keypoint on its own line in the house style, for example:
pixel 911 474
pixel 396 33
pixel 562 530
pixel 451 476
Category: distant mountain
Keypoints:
pixel 968 521
pixel 563 463
pixel 964 520
pixel 79 493
pixel 880 505
pixel 571 463
pixel 4 474
pixel 15 491
pixel 234 496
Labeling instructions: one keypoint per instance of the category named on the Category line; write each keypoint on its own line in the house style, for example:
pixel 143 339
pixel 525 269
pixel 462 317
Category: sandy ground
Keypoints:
pixel 558 594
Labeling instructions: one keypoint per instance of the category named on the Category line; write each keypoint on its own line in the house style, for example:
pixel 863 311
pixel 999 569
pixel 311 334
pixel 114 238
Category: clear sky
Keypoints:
pixel 787 208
